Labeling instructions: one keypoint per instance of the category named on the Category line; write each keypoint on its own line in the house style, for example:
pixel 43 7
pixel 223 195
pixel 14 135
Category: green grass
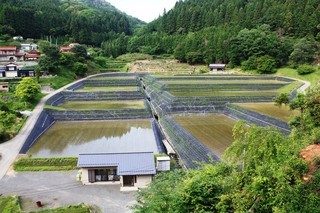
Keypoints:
pixel 99 105
pixel 213 81
pixel 213 130
pixel 45 164
pixel 80 208
pixel 107 89
pixel 223 93
pixel 282 113
pixel 10 204
pixel 113 78
pixel 292 73
pixel 290 87
pixel 130 57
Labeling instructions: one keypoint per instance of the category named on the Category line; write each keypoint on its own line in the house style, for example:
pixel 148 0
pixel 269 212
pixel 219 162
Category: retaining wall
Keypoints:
pixel 238 112
pixel 44 122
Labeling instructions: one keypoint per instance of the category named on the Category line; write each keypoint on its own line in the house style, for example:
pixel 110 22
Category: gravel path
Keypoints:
pixel 55 189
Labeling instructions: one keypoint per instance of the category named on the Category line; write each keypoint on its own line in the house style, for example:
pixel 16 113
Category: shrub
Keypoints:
pixel 79 68
pixel 266 64
pixel 305 69
pixel 100 60
pixel 249 64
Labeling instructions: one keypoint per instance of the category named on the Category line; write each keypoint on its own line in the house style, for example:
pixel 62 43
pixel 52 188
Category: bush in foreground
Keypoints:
pixel 305 69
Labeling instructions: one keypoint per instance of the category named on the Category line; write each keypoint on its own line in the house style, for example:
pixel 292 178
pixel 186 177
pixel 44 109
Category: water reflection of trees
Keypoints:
pixel 62 134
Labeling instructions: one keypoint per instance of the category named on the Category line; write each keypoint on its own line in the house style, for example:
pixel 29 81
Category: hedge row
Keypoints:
pixel 45 164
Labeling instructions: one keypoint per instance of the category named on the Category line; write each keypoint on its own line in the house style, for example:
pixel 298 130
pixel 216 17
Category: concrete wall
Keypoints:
pixel 143 180
pixel 44 121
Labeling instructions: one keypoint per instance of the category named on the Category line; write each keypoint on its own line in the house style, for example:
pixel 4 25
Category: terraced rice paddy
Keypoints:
pixel 102 105
pixel 113 78
pixel 214 131
pixel 69 139
pixel 227 81
pixel 282 113
pixel 107 89
pixel 223 93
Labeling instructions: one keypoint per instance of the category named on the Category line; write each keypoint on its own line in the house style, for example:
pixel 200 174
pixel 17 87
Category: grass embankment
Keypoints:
pixel 313 78
pixel 99 105
pixel 45 164
pixel 107 89
pixel 12 205
pixel 223 93
pixel 80 208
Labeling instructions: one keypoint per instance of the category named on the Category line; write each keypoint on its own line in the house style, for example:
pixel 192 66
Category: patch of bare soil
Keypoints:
pixel 311 155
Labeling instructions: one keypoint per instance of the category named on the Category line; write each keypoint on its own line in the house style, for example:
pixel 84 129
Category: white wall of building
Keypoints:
pixel 143 180
pixel 11 74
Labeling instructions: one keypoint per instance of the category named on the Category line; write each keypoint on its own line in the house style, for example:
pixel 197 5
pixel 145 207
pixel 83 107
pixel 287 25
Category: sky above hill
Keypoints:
pixel 145 10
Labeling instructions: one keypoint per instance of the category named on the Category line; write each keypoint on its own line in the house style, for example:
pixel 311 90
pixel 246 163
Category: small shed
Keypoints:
pixel 132 170
pixel 4 86
pixel 218 67
pixel 163 163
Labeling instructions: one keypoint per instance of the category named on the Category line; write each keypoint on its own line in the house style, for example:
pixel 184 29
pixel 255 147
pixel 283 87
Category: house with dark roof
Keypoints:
pixel 129 170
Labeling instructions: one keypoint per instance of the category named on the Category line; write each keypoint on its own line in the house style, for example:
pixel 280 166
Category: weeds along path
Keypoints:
pixel 10 149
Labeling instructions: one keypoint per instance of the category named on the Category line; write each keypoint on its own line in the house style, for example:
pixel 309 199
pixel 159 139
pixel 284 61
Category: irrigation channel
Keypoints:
pixel 191 117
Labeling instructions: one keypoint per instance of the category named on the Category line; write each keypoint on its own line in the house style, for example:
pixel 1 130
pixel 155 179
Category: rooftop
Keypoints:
pixel 133 163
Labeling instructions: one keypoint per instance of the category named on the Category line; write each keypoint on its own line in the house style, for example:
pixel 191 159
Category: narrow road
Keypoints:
pixel 10 149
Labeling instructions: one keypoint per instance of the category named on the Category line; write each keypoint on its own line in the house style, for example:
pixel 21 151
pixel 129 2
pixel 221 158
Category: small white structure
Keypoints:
pixel 163 163
pixel 28 47
pixel 217 67
pixel 129 170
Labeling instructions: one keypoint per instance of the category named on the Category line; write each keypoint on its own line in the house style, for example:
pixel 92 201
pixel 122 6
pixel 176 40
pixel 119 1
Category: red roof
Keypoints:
pixel 64 49
pixel 13 48
pixel 32 56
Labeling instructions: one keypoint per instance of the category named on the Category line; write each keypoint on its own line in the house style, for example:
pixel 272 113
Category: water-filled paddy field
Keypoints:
pixel 227 81
pixel 102 105
pixel 69 139
pixel 280 112
pixel 214 131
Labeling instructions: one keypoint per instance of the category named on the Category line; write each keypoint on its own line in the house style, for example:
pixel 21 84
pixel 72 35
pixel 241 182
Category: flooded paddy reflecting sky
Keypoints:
pixel 69 139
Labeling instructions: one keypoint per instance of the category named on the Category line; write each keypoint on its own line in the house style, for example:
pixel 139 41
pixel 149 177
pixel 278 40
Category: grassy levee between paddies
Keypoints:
pixel 107 89
pixel 45 164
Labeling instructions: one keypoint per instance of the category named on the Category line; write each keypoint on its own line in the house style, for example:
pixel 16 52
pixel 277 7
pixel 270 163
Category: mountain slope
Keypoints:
pixel 87 21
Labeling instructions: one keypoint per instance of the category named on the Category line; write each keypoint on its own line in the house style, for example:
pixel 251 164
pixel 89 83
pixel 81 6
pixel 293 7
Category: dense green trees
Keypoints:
pixel 260 172
pixel 88 22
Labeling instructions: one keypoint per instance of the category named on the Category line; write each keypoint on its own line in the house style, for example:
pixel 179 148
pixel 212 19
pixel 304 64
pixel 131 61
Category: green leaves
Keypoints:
pixel 28 89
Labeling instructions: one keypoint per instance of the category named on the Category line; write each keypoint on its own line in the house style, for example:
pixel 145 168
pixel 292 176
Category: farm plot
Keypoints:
pixel 223 93
pixel 282 113
pixel 227 81
pixel 102 105
pixel 214 131
pixel 107 89
pixel 113 77
pixel 69 139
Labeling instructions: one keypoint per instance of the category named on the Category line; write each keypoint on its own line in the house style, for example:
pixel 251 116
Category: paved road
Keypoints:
pixel 55 189
pixel 10 149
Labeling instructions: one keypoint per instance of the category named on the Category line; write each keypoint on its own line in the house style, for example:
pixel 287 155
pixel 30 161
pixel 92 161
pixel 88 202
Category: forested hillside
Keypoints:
pixel 86 21
pixel 203 31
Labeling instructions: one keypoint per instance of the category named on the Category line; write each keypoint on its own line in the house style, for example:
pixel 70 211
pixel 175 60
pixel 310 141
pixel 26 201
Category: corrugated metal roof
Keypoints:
pixel 135 163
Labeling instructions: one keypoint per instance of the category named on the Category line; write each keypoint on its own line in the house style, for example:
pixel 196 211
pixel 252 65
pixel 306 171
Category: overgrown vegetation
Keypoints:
pixel 45 164
pixel 261 171
pixel 10 204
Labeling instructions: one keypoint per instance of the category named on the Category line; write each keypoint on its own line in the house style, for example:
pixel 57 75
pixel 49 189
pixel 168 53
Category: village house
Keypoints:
pixel 32 55
pixel 129 170
pixel 28 47
pixel 10 53
pixel 67 49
